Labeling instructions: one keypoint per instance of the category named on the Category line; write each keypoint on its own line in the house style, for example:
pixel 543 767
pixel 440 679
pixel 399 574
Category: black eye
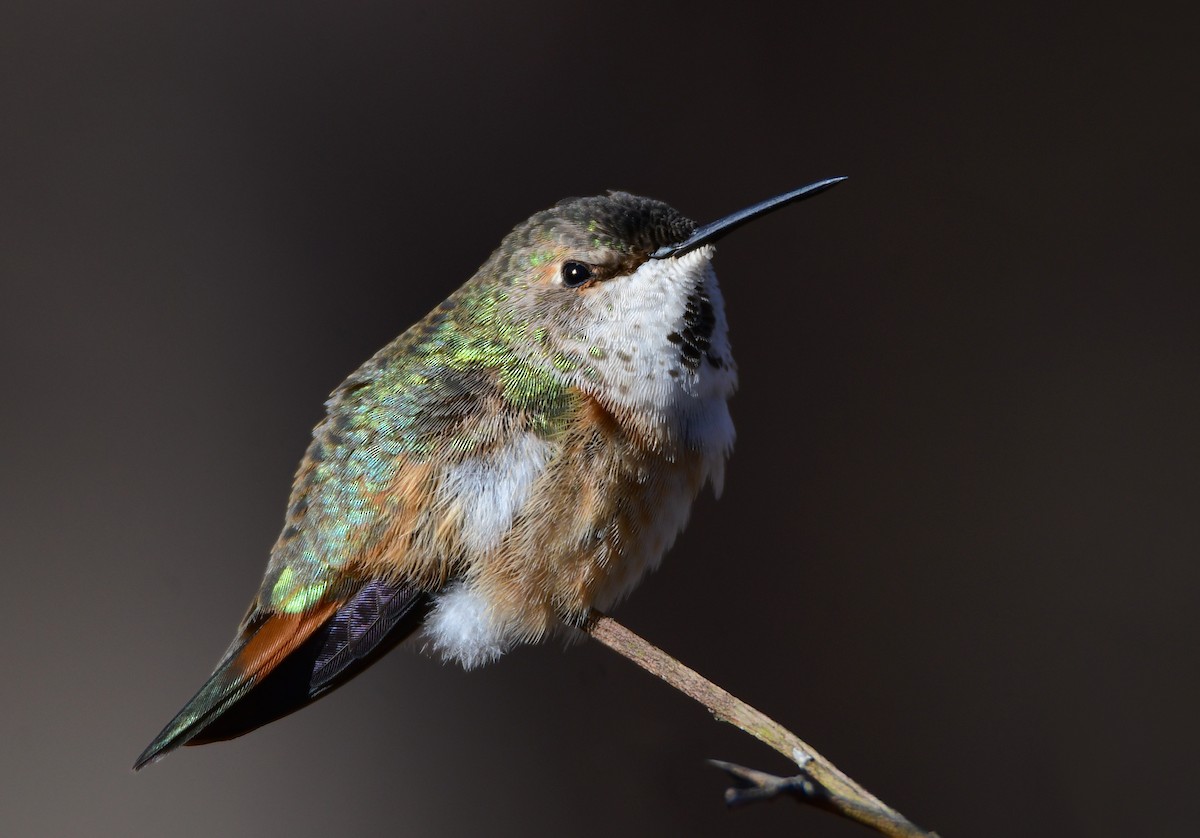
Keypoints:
pixel 575 274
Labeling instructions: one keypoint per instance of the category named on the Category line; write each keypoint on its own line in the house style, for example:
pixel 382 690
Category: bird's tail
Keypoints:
pixel 281 662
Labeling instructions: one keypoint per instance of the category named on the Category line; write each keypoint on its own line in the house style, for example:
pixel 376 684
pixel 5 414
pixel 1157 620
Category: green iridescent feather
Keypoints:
pixel 428 391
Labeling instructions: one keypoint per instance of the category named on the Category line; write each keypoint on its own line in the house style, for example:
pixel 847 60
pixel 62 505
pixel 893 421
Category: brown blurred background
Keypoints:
pixel 958 545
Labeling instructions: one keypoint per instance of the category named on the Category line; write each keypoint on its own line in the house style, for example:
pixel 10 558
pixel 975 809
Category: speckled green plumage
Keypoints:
pixel 421 395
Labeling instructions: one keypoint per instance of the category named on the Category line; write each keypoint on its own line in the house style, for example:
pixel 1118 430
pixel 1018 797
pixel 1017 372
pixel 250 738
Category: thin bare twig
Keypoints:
pixel 819 782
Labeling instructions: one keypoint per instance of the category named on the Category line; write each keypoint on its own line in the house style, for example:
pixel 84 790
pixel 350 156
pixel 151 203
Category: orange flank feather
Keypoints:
pixel 406 550
pixel 277 638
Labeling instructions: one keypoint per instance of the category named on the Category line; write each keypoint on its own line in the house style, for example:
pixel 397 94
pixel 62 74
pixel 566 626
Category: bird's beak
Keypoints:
pixel 714 230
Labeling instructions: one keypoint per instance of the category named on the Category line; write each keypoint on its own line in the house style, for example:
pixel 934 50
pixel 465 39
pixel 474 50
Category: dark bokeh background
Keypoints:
pixel 958 545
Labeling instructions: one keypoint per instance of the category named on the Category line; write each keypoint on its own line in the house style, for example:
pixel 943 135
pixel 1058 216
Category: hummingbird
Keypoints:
pixel 524 454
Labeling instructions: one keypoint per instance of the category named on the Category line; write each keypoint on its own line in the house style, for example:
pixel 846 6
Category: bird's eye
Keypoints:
pixel 575 274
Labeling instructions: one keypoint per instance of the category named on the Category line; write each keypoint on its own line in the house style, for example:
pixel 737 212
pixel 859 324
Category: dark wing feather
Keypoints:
pixel 357 629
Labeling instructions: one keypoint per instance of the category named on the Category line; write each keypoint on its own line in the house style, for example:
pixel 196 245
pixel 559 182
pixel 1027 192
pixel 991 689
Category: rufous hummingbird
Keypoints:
pixel 522 455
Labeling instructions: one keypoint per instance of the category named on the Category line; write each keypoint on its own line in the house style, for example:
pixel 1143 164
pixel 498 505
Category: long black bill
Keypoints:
pixel 716 229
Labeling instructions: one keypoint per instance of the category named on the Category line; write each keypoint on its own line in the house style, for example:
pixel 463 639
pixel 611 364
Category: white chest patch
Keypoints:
pixel 488 490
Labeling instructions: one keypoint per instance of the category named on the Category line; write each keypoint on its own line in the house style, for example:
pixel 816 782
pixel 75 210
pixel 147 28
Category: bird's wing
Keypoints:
pixel 363 544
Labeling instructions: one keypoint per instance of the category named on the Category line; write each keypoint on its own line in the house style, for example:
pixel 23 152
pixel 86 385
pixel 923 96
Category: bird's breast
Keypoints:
pixel 553 527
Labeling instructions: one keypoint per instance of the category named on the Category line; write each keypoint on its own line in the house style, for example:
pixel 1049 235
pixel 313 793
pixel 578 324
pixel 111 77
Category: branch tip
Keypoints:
pixel 819 783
